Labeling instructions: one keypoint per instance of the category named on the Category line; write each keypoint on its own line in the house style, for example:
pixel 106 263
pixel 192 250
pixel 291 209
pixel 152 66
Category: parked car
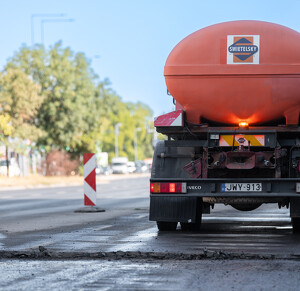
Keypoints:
pixel 141 167
pixel 107 170
pixel 131 167
pixel 119 165
pixel 100 170
pixel 14 169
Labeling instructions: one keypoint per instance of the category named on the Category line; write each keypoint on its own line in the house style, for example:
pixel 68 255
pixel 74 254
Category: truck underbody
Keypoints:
pixel 199 166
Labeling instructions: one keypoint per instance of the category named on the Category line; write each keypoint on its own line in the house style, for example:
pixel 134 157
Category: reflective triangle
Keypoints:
pixel 86 157
pixel 88 201
pixel 91 179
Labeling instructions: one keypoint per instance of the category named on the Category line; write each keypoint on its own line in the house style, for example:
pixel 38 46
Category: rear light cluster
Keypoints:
pixel 167 187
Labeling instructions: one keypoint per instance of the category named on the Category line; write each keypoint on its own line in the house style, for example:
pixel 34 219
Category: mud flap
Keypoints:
pixel 173 209
pixel 295 207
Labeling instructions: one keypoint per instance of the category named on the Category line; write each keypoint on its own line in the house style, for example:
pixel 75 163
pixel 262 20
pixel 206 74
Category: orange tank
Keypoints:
pixel 239 71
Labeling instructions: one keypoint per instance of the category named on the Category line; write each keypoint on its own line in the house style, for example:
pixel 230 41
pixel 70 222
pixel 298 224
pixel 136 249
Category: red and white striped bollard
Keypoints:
pixel 89 172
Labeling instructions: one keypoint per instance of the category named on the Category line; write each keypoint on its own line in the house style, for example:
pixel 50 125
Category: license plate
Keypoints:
pixel 241 187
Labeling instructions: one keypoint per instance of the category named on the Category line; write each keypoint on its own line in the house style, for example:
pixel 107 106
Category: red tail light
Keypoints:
pixel 167 187
pixel 151 187
pixel 172 188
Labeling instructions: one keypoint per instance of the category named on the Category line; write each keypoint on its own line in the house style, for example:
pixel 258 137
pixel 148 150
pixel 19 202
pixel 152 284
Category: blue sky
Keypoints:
pixel 129 41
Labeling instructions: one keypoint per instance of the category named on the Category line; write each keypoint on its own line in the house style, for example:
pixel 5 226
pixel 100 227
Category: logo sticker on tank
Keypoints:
pixel 242 49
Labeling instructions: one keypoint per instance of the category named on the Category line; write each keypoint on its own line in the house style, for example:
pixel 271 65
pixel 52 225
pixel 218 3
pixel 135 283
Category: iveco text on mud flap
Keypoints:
pixel 234 137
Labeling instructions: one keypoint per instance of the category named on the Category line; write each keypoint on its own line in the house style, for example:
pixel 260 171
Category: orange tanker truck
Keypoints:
pixel 234 137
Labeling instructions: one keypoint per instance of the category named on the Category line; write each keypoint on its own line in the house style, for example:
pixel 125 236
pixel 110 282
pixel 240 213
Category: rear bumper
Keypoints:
pixel 271 187
pixel 182 207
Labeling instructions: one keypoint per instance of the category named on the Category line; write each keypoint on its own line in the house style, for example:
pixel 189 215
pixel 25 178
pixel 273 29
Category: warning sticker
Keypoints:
pixel 242 139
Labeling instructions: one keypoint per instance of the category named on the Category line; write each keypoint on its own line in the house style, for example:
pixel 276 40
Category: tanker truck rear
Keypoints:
pixel 234 135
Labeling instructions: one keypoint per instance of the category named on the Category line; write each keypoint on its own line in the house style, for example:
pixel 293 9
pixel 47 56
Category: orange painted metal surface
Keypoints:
pixel 237 71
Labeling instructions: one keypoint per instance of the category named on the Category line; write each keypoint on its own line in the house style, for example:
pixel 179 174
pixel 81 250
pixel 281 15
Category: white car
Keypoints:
pixel 141 167
pixel 119 165
pixel 14 169
pixel 131 167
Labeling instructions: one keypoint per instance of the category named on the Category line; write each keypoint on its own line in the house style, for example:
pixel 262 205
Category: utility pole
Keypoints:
pixel 135 143
pixel 117 131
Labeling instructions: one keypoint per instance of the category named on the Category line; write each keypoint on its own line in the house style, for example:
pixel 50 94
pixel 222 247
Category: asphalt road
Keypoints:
pixel 36 209
pixel 150 275
pixel 120 249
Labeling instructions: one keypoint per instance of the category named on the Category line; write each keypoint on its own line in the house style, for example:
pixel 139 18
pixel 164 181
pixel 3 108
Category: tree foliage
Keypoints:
pixel 20 100
pixel 5 127
pixel 70 107
pixel 133 117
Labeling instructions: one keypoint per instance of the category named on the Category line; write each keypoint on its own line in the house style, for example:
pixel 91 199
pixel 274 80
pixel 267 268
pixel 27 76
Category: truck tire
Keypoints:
pixel 194 226
pixel 246 207
pixel 166 225
pixel 296 224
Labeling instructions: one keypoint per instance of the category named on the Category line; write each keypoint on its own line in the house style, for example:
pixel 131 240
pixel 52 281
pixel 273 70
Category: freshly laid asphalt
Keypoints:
pixel 120 249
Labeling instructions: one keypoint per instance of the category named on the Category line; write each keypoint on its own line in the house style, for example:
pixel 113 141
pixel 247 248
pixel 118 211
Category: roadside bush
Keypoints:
pixel 61 163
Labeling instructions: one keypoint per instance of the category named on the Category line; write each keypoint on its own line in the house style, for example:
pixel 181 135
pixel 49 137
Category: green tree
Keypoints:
pixel 20 100
pixel 132 117
pixel 5 126
pixel 79 111
pixel 69 110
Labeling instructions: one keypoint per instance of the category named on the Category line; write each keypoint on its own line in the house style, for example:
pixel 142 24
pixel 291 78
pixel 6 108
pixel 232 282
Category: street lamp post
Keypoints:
pixel 117 131
pixel 51 20
pixel 41 15
pixel 155 136
pixel 135 143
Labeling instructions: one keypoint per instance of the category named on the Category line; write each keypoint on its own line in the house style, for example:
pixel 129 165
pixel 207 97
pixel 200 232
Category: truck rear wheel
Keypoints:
pixel 296 224
pixel 166 225
pixel 245 207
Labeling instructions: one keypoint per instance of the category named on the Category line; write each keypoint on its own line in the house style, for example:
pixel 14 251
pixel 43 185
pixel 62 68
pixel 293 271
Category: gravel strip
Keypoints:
pixel 43 253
